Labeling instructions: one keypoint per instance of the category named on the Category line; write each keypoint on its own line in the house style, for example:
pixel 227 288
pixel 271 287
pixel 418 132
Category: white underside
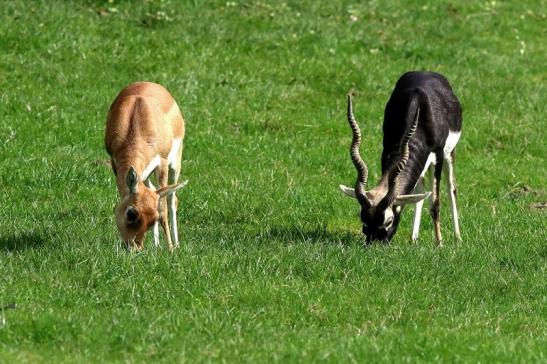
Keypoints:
pixel 155 162
pixel 451 141
pixel 430 160
pixel 449 145
pixel 171 158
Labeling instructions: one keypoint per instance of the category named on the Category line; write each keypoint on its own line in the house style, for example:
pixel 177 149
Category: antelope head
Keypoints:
pixel 381 206
pixel 139 209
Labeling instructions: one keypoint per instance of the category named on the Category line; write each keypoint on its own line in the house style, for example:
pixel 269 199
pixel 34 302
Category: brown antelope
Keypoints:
pixel 422 125
pixel 144 134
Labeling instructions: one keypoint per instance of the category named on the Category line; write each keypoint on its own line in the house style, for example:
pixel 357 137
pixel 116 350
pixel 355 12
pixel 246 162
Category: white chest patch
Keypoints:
pixel 154 163
pixel 175 146
pixel 451 141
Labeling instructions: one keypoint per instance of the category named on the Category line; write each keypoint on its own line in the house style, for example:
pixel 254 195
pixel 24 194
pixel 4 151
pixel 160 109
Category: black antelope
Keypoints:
pixel 422 125
pixel 144 134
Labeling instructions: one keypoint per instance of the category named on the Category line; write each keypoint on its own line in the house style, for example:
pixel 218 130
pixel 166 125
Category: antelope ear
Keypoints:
pixel 132 180
pixel 348 191
pixel 168 190
pixel 406 199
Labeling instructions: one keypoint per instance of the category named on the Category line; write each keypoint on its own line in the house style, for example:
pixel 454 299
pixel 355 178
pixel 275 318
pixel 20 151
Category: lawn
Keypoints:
pixel 272 267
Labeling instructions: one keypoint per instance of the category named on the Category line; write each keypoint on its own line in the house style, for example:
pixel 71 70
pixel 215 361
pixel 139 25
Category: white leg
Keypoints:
pixel 174 172
pixel 418 210
pixel 172 206
pixel 451 184
pixel 155 228
pixel 156 232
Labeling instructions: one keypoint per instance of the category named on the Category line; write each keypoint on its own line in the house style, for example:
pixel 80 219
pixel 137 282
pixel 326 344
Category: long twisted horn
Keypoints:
pixel 360 166
pixel 393 177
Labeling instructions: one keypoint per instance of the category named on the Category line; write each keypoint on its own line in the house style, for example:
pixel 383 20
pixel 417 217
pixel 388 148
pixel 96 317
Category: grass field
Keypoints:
pixel 271 267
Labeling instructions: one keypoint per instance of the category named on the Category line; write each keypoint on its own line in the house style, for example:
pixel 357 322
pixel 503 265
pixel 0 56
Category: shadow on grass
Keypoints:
pixel 19 242
pixel 312 234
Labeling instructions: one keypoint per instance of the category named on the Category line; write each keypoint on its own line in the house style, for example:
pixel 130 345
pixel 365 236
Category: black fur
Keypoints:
pixel 440 111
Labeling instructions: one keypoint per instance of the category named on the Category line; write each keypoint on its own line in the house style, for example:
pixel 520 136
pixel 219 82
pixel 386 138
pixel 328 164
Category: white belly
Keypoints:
pixel 150 167
pixel 430 159
pixel 174 150
pixel 449 145
pixel 155 162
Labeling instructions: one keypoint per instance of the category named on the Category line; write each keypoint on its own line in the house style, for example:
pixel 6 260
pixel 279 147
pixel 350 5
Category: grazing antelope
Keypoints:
pixel 422 125
pixel 144 134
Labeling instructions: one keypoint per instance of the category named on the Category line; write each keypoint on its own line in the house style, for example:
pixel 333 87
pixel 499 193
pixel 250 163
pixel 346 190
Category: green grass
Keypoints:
pixel 272 267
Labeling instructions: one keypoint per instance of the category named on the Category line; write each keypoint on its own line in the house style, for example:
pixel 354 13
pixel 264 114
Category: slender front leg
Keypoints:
pixel 435 202
pixel 162 174
pixel 172 205
pixel 155 228
pixel 174 173
pixel 451 184
pixel 418 210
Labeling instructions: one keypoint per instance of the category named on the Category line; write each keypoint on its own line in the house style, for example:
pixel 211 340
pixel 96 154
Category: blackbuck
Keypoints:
pixel 422 125
pixel 144 135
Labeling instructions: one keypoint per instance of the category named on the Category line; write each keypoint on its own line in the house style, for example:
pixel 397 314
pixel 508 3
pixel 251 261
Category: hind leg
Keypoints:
pixel 174 173
pixel 162 175
pixel 435 199
pixel 451 184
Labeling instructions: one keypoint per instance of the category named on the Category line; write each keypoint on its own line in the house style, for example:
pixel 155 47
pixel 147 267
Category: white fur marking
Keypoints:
pixel 388 219
pixel 154 163
pixel 430 160
pixel 451 141
pixel 449 146
pixel 174 150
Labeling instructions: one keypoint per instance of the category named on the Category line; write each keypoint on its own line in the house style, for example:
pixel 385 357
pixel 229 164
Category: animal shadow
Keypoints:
pixel 311 234
pixel 20 242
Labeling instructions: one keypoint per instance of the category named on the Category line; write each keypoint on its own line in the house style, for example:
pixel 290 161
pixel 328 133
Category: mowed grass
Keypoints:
pixel 271 267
